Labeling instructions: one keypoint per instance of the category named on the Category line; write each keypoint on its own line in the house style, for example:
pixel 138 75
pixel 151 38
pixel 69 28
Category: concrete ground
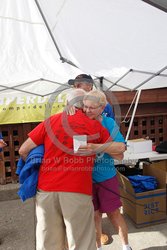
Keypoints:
pixel 17 227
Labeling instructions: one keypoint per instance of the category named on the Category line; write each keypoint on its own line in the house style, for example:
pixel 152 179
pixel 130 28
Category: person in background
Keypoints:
pixel 106 198
pixel 85 82
pixel 2 145
pixel 2 142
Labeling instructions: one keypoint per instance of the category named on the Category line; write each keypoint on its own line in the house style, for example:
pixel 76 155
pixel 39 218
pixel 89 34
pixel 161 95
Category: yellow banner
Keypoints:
pixel 29 108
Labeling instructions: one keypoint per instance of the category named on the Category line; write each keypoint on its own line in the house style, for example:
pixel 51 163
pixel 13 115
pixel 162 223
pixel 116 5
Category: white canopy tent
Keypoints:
pixel 113 39
pixel 122 44
pixel 124 41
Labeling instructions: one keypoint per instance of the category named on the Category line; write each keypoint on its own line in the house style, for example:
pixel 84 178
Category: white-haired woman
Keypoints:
pixel 106 197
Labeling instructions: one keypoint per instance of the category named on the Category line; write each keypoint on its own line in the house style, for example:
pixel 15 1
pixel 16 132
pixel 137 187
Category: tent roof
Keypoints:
pixel 125 42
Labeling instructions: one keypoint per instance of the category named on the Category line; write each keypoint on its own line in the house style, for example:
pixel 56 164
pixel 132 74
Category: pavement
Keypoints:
pixel 17 226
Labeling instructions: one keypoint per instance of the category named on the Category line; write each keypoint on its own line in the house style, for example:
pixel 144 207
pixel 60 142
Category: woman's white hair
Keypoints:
pixel 97 96
pixel 75 98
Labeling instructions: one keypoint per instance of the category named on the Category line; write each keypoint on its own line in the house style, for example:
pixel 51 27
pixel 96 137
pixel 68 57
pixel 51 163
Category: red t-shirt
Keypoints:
pixel 61 169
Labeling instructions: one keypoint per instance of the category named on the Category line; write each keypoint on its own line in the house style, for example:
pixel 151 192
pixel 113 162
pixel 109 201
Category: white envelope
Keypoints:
pixel 79 140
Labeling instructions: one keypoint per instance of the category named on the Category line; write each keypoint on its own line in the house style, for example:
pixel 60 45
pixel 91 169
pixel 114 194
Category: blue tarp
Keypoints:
pixel 142 183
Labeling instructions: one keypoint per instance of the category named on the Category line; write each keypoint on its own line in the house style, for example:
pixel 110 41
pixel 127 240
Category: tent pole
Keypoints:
pixel 151 77
pixel 133 114
pixel 50 33
pixel 101 82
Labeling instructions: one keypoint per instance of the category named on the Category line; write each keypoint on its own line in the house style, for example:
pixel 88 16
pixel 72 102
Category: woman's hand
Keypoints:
pixel 70 110
pixel 90 148
pixel 114 149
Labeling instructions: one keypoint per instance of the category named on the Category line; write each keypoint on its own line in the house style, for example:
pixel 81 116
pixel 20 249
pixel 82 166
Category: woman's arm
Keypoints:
pixel 114 149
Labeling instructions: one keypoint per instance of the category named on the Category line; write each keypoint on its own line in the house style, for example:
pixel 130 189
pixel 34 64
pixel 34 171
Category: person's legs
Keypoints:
pixel 78 216
pixel 101 238
pixel 50 230
pixel 98 225
pixel 109 203
pixel 119 223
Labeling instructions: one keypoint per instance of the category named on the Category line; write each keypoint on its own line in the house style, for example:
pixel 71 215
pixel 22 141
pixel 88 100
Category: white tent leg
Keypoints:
pixel 133 114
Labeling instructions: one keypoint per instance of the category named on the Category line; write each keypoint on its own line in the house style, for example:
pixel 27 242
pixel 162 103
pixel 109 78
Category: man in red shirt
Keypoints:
pixel 63 200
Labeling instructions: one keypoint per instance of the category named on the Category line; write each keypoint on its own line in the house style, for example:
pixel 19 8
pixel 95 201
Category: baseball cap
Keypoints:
pixel 81 78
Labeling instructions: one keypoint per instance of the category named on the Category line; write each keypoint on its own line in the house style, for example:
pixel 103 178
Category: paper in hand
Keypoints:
pixel 79 140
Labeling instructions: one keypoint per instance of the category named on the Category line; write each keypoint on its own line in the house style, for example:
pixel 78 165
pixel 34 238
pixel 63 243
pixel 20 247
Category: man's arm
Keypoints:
pixel 26 147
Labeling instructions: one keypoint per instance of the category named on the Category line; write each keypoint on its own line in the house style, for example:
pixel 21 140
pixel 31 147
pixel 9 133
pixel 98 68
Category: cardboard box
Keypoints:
pixel 139 146
pixel 163 166
pixel 146 208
